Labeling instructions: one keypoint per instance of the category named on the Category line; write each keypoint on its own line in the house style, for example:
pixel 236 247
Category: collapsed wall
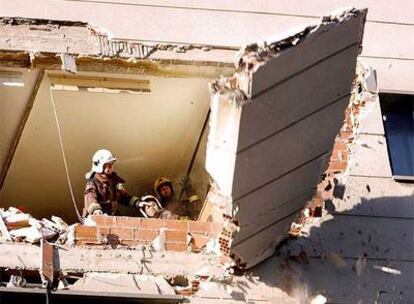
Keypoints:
pixel 273 126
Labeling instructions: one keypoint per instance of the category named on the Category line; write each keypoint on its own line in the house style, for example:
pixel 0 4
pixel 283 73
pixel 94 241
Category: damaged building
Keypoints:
pixel 273 138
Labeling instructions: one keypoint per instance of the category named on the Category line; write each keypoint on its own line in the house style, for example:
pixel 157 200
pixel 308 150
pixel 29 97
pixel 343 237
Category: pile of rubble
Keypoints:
pixel 18 226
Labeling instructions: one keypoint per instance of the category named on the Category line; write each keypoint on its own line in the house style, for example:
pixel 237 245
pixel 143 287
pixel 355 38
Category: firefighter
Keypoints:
pixel 164 190
pixel 104 188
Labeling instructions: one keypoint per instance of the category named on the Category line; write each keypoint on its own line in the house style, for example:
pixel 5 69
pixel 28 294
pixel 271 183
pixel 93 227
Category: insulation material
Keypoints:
pixel 274 122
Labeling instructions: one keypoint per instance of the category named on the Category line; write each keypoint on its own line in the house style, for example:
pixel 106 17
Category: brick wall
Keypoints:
pixel 340 156
pixel 133 231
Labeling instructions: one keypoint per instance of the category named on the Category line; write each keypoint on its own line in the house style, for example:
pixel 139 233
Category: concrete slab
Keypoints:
pixel 137 261
pixel 123 283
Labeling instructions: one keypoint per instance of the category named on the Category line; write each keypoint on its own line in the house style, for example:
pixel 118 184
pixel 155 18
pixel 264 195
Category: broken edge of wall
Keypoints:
pixel 364 95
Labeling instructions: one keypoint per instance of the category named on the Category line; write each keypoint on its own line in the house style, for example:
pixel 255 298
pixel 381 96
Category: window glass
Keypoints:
pixel 398 116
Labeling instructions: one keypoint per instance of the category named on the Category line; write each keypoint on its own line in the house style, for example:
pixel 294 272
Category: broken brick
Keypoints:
pixel 198 241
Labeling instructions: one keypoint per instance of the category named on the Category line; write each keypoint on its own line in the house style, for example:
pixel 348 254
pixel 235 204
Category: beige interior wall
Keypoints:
pixel 151 134
pixel 13 101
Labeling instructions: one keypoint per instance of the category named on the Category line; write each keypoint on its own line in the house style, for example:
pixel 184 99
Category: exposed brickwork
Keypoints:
pixel 340 156
pixel 133 231
pixel 337 164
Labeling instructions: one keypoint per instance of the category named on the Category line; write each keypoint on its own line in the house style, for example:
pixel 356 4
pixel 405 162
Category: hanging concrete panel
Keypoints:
pixel 287 101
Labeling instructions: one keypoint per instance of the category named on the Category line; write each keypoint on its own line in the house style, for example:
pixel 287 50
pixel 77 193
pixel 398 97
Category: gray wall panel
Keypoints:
pixel 317 46
pixel 297 97
pixel 288 149
pixel 277 198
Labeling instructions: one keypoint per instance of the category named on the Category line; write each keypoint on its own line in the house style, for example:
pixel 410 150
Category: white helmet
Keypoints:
pixel 99 159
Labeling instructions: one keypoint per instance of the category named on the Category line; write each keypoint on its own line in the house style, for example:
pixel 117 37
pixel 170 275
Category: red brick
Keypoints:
pixel 176 236
pixel 132 243
pixel 337 166
pixel 123 233
pixel 145 234
pixel 205 227
pixel 103 230
pixel 154 224
pixel 104 220
pixel 128 222
pixel 86 242
pixel 339 145
pixel 198 241
pixel 176 225
pixel 345 135
pixel 176 246
pixel 85 232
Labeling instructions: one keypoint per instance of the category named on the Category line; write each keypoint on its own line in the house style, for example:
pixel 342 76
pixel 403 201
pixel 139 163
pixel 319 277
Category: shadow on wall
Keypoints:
pixel 348 257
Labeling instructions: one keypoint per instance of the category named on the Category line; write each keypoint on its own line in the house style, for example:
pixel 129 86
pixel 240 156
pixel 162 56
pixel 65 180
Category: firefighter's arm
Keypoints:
pixel 91 199
pixel 125 198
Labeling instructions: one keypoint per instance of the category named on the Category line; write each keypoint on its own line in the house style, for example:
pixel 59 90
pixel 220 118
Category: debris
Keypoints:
pixel 198 242
pixel 159 242
pixel 29 234
pixel 295 229
pixel 17 220
pixel 339 191
pixel 213 246
pixel 335 259
pixel 329 205
pixel 68 63
pixel 360 265
pixel 16 281
pixel 18 226
pixel 47 267
pixel 387 269
pixel 319 299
